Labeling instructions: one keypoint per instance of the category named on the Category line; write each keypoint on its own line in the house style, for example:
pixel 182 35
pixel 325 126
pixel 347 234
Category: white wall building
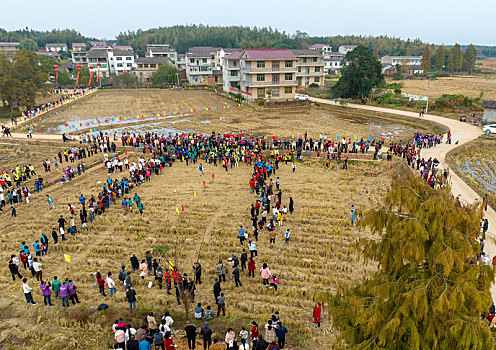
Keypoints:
pixel 161 50
pixel 200 63
pixel 333 62
pixel 321 47
pixel 402 60
pixel 121 61
pixel 98 56
pixel 231 71
pixel 56 47
pixel 346 48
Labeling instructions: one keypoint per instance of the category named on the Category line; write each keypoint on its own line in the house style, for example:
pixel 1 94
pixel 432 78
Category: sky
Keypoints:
pixel 432 21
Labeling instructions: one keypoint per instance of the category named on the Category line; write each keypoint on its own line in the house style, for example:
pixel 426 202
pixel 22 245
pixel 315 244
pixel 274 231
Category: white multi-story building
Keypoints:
pixel 56 47
pixel 346 48
pixel 231 71
pixel 333 62
pixel 200 64
pixel 121 61
pixel 162 50
pixel 321 47
pixel 181 61
pixel 402 60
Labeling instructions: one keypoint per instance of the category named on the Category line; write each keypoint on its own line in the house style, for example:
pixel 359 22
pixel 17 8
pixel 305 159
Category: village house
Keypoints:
pixel 147 66
pixel 310 67
pixel 78 47
pixel 162 50
pixel 56 47
pixel 231 71
pixel 200 64
pixel 333 62
pixel 121 61
pixel 264 73
pixel 181 61
pixel 55 55
pixel 344 49
pixel 323 48
pixel 489 111
pixel 99 56
pixel 402 60
pixel 9 49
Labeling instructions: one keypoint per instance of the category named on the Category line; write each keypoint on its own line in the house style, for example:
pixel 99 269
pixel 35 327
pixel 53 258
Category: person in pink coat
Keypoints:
pixel 265 273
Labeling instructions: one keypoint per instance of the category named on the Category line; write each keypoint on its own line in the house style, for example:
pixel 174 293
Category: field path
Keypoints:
pixel 461 132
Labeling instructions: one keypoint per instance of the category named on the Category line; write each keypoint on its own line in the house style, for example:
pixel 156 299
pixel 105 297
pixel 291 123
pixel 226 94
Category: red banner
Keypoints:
pixel 56 77
pixel 89 81
pixel 77 78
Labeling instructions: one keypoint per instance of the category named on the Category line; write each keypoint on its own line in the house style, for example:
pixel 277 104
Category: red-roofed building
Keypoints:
pixel 55 55
pixel 261 73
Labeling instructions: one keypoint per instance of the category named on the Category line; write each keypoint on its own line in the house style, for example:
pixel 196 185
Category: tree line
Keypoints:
pixel 449 59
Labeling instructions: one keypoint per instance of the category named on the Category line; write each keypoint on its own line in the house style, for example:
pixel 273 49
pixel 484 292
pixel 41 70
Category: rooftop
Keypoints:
pixel 349 46
pixel 153 60
pixel 123 47
pixel 9 43
pixel 98 43
pixel 202 51
pixel 97 54
pixel 234 54
pixel 55 45
pixel 269 53
pixel 47 53
pixel 306 52
pixel 123 52
pixel 318 45
pixel 489 104
pixel 79 45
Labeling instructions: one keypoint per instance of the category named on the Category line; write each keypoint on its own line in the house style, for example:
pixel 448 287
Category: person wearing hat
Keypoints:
pixel 206 334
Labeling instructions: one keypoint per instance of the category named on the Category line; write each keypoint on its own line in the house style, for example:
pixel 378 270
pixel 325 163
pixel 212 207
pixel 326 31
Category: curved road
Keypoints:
pixel 461 132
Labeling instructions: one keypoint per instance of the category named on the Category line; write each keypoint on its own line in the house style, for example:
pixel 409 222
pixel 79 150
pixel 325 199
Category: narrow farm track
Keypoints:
pixel 461 133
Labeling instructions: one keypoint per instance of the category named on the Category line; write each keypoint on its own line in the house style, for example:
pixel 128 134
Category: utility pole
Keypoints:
pixel 428 90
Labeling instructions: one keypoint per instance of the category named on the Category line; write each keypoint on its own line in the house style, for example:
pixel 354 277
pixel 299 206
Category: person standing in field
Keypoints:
pixel 27 291
pixel 265 274
pixel 316 314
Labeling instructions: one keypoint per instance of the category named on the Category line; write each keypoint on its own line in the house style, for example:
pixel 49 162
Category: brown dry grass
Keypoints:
pixel 319 257
pixel 469 86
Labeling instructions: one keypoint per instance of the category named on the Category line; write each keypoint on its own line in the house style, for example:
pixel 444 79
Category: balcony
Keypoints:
pixel 272 83
pixel 310 63
pixel 310 74
pixel 270 69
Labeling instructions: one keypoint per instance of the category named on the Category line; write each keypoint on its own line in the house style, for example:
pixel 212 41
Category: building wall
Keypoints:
pixel 490 115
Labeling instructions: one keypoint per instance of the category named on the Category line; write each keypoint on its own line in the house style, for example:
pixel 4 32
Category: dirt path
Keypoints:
pixel 461 133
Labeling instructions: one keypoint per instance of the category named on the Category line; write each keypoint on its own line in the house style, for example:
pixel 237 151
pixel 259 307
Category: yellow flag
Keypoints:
pixel 177 210
pixel 67 257
pixel 195 194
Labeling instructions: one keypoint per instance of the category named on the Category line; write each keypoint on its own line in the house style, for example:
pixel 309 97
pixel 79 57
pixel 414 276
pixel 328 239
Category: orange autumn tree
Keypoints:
pixel 428 292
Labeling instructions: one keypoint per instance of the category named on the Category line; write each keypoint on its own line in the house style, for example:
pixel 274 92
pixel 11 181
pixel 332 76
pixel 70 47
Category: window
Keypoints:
pixel 128 58
pixel 146 65
pixel 171 55
pixel 304 60
pixel 234 73
pixel 140 65
pixel 204 60
pixel 299 69
pixel 204 69
pixel 288 90
pixel 191 61
pixel 288 76
pixel 275 92
pixel 118 58
pixel 289 64
pixel 119 64
pixel 317 69
pixel 316 79
pixel 261 92
pixel 260 77
pixel 153 66
pixel 315 59
pixel 260 64
pixel 129 64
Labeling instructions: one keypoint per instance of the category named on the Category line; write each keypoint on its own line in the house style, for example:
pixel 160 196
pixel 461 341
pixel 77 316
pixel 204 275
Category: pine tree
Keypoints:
pixel 469 58
pixel 456 51
pixel 428 292
pixel 426 58
pixel 450 67
pixel 440 58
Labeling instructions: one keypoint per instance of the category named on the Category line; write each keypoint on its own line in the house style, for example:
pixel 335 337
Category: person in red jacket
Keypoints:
pixel 316 314
pixel 251 268
pixel 254 334
pixel 24 259
pixel 252 185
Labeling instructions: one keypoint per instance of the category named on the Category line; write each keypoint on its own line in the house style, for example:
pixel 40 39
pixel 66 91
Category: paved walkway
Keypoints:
pixel 461 132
